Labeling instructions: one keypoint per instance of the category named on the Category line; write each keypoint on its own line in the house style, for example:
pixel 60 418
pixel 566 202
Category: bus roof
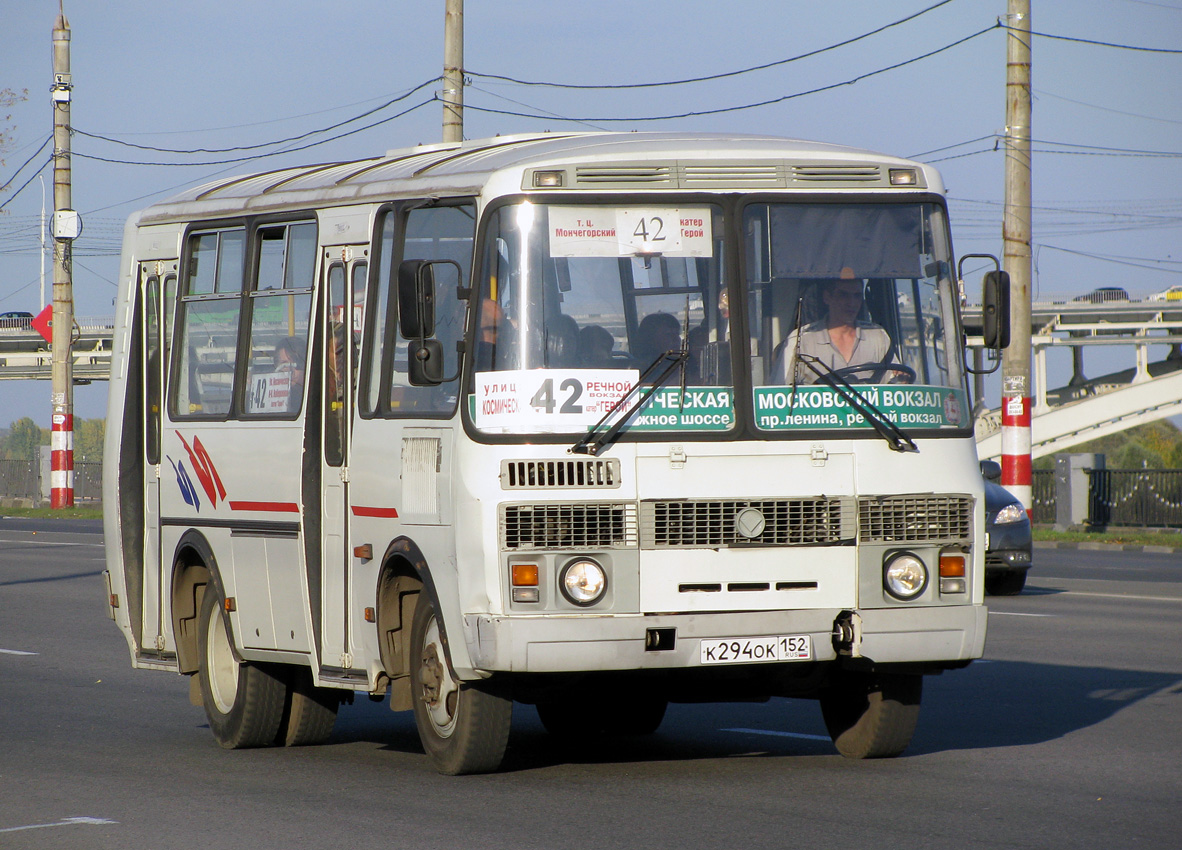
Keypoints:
pixel 610 161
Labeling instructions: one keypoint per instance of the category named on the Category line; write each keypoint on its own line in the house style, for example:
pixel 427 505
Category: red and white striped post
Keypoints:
pixel 61 476
pixel 1015 448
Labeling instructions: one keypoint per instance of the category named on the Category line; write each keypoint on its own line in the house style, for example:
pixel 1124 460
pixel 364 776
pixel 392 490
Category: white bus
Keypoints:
pixel 529 419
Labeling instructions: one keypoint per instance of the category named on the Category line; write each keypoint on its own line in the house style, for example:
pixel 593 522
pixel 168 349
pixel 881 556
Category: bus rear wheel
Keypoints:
pixel 464 726
pixel 872 715
pixel 243 701
pixel 310 712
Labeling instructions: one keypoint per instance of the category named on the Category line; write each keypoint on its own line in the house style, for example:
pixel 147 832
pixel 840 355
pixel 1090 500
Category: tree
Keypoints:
pixel 88 440
pixel 8 98
pixel 25 438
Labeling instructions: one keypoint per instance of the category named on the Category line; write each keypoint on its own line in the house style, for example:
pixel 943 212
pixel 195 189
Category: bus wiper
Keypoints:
pixel 895 436
pixel 593 442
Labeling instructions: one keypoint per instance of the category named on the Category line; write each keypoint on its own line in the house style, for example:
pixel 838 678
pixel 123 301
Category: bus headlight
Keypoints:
pixel 583 582
pixel 904 575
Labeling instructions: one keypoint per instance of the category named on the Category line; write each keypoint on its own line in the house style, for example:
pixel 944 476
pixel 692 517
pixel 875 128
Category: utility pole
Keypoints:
pixel 1016 235
pixel 66 227
pixel 453 71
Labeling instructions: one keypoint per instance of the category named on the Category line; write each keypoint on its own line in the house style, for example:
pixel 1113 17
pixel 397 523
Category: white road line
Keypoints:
pixel 15 652
pixel 1017 614
pixel 824 738
pixel 1123 596
pixel 62 822
pixel 47 542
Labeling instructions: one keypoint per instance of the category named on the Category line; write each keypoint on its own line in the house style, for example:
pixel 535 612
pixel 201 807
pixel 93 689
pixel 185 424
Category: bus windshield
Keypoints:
pixel 577 302
pixel 857 294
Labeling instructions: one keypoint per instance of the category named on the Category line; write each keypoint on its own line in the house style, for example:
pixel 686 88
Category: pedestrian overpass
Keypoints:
pixel 1088 408
pixel 1084 409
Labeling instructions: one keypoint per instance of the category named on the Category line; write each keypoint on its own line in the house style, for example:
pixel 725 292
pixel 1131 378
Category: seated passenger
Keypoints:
pixel 595 348
pixel 562 342
pixel 656 334
pixel 839 340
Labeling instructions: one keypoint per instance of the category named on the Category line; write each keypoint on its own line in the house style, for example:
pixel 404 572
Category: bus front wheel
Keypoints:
pixel 872 715
pixel 464 726
pixel 243 701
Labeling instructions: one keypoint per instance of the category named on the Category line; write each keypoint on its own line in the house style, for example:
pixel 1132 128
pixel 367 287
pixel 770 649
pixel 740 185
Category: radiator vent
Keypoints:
pixel 914 519
pixel 559 474
pixel 568 526
pixel 739 176
pixel 746 522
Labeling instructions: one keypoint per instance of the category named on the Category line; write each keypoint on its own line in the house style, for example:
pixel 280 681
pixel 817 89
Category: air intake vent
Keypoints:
pixel 627 175
pixel 738 176
pixel 836 173
pixel 742 522
pixel 568 526
pixel 914 519
pixel 559 474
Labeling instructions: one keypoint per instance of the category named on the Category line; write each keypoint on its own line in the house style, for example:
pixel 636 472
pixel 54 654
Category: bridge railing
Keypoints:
pixel 23 479
pixel 1136 497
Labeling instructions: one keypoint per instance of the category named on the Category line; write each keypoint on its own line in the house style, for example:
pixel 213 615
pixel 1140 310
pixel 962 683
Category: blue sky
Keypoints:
pixel 217 74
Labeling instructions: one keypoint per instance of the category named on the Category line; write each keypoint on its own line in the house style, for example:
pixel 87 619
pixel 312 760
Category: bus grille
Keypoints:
pixel 907 519
pixel 568 526
pixel 746 522
pixel 559 474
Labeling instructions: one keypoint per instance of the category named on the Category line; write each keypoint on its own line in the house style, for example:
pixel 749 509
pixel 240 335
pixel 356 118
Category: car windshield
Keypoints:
pixel 576 302
pixel 857 293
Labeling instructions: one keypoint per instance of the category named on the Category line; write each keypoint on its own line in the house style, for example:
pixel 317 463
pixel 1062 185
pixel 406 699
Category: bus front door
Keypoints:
pixel 345 281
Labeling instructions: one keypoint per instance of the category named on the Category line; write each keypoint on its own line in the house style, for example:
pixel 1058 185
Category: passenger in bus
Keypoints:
pixel 562 342
pixel 840 339
pixel 290 357
pixel 656 334
pixel 488 327
pixel 595 348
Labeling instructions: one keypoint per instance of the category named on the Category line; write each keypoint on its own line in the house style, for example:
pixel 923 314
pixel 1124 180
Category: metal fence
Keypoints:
pixel 22 479
pixel 1043 484
pixel 1135 497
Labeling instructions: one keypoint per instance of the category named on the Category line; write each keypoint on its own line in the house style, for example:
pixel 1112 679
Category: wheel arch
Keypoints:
pixel 194 566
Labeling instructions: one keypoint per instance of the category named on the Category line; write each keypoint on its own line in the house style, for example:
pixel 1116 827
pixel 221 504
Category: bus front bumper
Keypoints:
pixel 583 643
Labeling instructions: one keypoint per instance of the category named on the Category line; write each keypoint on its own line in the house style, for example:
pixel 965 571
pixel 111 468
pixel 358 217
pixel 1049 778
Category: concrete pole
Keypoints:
pixel 453 72
pixel 1016 234
pixel 62 440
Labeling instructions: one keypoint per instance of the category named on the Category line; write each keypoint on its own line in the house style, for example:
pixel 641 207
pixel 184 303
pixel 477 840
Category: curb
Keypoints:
pixel 1108 547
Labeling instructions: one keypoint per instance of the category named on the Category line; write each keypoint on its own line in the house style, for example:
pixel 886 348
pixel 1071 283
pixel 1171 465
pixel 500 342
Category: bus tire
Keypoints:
pixel 641 715
pixel 243 701
pixel 464 726
pixel 310 712
pixel 872 715
pixel 1008 583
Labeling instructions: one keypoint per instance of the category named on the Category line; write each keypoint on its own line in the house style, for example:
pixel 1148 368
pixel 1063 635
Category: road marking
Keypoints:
pixel 1123 596
pixel 47 542
pixel 1017 614
pixel 15 652
pixel 62 822
pixel 824 738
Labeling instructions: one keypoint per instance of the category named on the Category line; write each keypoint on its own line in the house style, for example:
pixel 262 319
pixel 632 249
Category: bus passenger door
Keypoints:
pixel 345 281
pixel 158 290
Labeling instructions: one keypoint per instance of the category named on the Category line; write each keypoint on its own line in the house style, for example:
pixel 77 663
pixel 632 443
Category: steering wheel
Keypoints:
pixel 879 370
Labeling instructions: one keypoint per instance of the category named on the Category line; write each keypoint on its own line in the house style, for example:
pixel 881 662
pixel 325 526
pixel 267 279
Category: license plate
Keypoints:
pixel 749 650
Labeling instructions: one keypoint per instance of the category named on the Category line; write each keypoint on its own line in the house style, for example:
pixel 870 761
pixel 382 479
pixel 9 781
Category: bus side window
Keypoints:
pixel 207 325
pixel 281 304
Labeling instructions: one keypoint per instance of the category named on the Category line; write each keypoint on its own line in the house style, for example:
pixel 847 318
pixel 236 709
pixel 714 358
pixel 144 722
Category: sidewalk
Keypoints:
pixel 1107 547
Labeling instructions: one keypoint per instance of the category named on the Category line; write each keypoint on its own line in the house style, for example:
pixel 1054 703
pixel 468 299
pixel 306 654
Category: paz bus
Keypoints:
pixel 508 420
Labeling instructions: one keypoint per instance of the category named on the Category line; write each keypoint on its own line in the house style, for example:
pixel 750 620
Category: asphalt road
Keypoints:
pixel 1067 735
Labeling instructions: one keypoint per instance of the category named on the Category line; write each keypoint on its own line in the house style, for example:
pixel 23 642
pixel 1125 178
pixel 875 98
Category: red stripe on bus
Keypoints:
pixel 275 507
pixel 385 513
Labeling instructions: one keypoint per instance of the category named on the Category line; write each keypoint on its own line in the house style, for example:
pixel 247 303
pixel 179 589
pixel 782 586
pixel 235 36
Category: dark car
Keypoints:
pixel 1008 542
pixel 16 319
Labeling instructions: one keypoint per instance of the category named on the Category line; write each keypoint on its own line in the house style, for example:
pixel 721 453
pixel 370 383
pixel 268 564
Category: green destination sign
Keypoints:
pixel 785 409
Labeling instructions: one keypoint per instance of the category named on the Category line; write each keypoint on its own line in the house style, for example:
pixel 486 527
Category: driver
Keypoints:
pixel 838 340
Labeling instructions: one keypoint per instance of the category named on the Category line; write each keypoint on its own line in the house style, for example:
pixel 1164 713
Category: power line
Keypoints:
pixel 12 197
pixel 48 139
pixel 770 102
pixel 710 77
pixel 431 99
pixel 288 140
pixel 1044 93
pixel 1108 259
pixel 1091 41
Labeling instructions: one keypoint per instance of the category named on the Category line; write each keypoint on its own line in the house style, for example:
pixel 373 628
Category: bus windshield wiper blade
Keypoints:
pixel 593 442
pixel 895 436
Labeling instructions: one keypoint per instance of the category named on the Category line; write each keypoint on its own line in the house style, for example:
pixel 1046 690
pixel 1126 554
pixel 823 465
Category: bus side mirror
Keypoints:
pixel 425 363
pixel 995 310
pixel 416 299
pixel 991 470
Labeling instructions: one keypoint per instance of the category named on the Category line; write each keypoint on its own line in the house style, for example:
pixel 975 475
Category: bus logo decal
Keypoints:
pixel 188 491
pixel 207 473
